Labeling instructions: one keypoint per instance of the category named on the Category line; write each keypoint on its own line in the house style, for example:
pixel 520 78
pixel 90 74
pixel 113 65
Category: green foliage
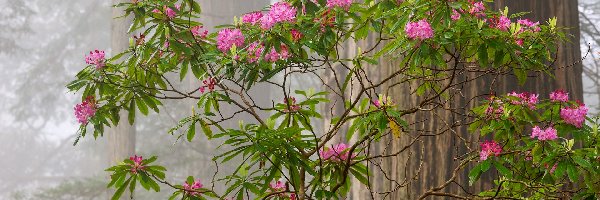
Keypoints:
pixel 285 145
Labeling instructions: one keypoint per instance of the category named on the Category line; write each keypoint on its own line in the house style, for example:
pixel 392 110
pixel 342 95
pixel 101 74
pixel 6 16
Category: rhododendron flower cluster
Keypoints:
pixel 477 9
pixel 137 163
pixel 198 32
pixel 494 112
pixel 345 4
pixel 278 186
pixel 96 57
pixel 502 23
pixel 296 35
pixel 419 30
pixel 527 24
pixel 190 190
pixel 574 116
pixel 252 18
pixel 526 99
pixel 280 12
pixel 337 153
pixel 209 84
pixel 229 37
pixel 85 110
pixel 489 148
pixel 255 50
pixel 274 56
pixel 293 106
pixel 546 134
pixel 168 11
pixel 455 15
pixel 559 95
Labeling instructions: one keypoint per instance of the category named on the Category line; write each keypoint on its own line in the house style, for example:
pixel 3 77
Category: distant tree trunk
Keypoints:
pixel 121 139
pixel 439 152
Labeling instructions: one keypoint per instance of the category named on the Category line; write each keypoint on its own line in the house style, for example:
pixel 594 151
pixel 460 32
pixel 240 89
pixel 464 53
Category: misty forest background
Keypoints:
pixel 42 46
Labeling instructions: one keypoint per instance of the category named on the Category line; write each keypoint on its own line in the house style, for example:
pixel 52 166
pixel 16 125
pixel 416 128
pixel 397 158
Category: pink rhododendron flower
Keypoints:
pixel 209 84
pixel 489 148
pixel 519 42
pixel 274 56
pixel 419 30
pixel 156 10
pixel 574 116
pixel 278 186
pixel 292 104
pixel 526 23
pixel 494 113
pixel 477 9
pixel 85 110
pixel 170 12
pixel 455 15
pixel 559 95
pixel 252 18
pixel 255 50
pixel 383 101
pixel 296 35
pixel 337 153
pixel 137 163
pixel 547 134
pixel 198 32
pixel 190 190
pixel 502 23
pixel 229 37
pixel 345 4
pixel 526 99
pixel 280 12
pixel 96 57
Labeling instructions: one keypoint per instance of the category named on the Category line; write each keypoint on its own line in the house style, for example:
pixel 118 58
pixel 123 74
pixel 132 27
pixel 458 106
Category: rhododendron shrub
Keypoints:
pixel 284 155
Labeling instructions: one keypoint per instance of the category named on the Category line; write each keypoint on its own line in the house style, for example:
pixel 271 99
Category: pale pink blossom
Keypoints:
pixel 489 148
pixel 278 186
pixel 252 18
pixel 229 37
pixel 502 23
pixel 418 30
pixel 337 153
pixel 137 163
pixel 345 4
pixel 170 12
pixel 574 116
pixel 546 134
pixel 273 55
pixel 191 190
pixel 96 57
pixel 280 12
pixel 525 99
pixel 529 25
pixel 455 15
pixel 85 110
pixel 477 9
pixel 197 31
pixel 559 95
pixel 255 51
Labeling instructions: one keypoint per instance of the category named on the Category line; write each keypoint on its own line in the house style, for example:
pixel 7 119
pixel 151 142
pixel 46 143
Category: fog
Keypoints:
pixel 42 46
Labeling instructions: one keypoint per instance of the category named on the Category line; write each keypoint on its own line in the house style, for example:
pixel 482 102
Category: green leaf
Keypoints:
pixel 191 131
pixel 474 174
pixel 131 115
pixel 142 106
pixel 582 162
pixel 121 189
pixel 572 172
